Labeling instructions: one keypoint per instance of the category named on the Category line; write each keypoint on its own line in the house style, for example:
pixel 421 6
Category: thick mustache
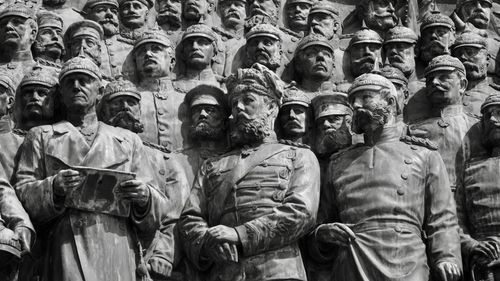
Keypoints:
pixel 263 53
pixel 169 10
pixel 396 58
pixel 233 14
pixel 105 21
pixel 150 60
pixel 470 65
pixel 197 54
pixel 366 59
pixel 479 14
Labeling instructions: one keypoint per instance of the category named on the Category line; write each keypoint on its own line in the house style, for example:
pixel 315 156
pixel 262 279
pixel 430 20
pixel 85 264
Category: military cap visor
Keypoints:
pixel 332 110
pixel 264 34
pixel 151 40
pixel 79 70
pixel 131 94
pixel 491 100
pixel 36 82
pixel 468 44
pixel 206 95
pixel 84 27
pixel 198 34
pixel 442 68
pixel 443 24
pixel 373 88
pixel 400 40
pixel 295 102
pixel 92 3
pixel 316 43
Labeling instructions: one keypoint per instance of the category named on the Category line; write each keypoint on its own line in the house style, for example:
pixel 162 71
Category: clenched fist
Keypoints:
pixel 66 180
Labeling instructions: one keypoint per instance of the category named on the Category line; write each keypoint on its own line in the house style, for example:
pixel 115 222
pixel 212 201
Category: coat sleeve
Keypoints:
pixel 291 220
pixel 34 186
pixel 193 223
pixel 327 213
pixel 147 219
pixel 441 225
pixel 467 242
pixel 11 209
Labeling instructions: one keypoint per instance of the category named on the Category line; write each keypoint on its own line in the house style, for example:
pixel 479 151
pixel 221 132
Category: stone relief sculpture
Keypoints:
pixel 249 140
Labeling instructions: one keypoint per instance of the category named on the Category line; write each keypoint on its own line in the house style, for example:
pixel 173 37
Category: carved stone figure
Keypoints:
pixel 18 31
pixel 115 50
pixel 475 12
pixel 323 19
pixel 378 15
pixel 437 35
pixel 269 9
pixel 48 48
pixel 103 244
pixel 471 49
pixel 399 50
pixel 120 107
pixel 198 52
pixel 197 11
pixel 264 46
pixel 208 125
pixel 365 49
pixel 161 111
pixel 380 196
pixel 477 200
pixel 169 15
pixel 399 80
pixel 10 139
pixel 297 14
pixel 233 14
pixel 229 228
pixel 332 118
pixel 295 116
pixel 67 10
pixel 447 123
pixel 133 17
pixel 84 38
pixel 314 64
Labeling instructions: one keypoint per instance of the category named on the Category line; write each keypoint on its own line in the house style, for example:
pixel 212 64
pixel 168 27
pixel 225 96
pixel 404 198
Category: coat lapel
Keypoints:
pixel 107 151
pixel 67 144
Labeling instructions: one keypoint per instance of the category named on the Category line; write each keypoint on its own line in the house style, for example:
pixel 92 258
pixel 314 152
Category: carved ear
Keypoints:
pixel 10 103
pixel 336 26
pixel 211 7
pixel 172 64
pixel 463 84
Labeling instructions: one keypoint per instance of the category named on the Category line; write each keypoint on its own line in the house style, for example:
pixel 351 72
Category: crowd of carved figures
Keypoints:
pixel 249 140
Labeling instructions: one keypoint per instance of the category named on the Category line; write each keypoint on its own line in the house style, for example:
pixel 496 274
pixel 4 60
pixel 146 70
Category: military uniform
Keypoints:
pixel 392 197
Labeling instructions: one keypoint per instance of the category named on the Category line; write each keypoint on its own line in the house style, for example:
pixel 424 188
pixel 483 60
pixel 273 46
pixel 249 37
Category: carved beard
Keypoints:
pixel 109 27
pixel 491 134
pixel 273 61
pixel 433 49
pixel 332 141
pixel 363 65
pixel 475 72
pixel 40 49
pixel 170 17
pixel 126 120
pixel 377 116
pixel 204 132
pixel 244 131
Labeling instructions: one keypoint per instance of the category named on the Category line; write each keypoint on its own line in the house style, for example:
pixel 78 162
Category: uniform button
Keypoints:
pixel 257 187
pixel 111 54
pixel 164 143
pixel 254 208
pixel 113 65
pixel 162 172
pixel 466 103
pixel 398 228
pixel 413 127
pixel 165 157
pixel 224 39
pixel 160 112
pixel 284 174
pixel 408 161
pixel 413 147
pixel 109 43
pixel 294 39
pixel 401 192
pixel 162 128
pixel 404 176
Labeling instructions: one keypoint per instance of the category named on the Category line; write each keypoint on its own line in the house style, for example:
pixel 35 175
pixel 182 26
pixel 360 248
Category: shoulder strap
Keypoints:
pixel 238 173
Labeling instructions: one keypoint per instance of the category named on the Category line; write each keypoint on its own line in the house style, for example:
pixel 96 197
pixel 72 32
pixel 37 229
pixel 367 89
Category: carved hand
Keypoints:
pixel 334 233
pixel 23 234
pixel 222 252
pixel 486 252
pixel 449 271
pixel 65 180
pixel 134 190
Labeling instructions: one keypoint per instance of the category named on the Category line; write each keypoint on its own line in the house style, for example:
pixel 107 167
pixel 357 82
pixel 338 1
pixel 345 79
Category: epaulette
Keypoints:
pixel 222 32
pixel 19 132
pixel 474 116
pixel 157 147
pixel 45 62
pixel 419 141
pixel 124 40
pixel 293 143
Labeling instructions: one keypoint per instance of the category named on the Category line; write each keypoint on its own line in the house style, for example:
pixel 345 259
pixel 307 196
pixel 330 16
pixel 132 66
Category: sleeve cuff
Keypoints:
pixel 242 234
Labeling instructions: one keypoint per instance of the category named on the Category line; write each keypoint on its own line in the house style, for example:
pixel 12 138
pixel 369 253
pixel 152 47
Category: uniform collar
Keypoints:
pixel 5 124
pixel 389 134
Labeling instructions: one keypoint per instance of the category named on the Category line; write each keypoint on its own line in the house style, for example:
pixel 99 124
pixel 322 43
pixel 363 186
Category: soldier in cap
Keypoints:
pixel 115 52
pixel 378 236
pixel 437 35
pixel 18 31
pixel 120 107
pixel 169 15
pixel 399 81
pixel 446 123
pixel 208 123
pixel 134 17
pixel 197 11
pixel 84 38
pixel 69 11
pixel 314 64
pixel 332 119
pixel 472 50
pixel 269 9
pixel 264 46
pixel 399 49
pixel 297 13
pixel 477 199
pixel 233 14
pixel 378 15
pixel 48 48
pixel 475 12
pixel 365 50
pixel 103 241
pixel 324 20
pixel 248 248
pixel 160 103
pixel 198 55
pixel 295 116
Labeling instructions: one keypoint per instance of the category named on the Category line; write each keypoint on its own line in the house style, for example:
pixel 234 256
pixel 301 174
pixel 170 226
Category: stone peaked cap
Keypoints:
pixel 7 82
pixel 366 36
pixel 460 3
pixel 314 40
pixel 401 33
pixel 470 39
pixel 324 7
pixel 153 36
pixel 293 95
pixel 80 64
pixel 257 79
pixel 207 94
pixel 84 27
pixel 40 75
pixel 395 75
pixel 200 30
pixel 371 81
pixel 92 3
pixel 444 62
pixel 290 2
pixel 331 103
pixel 18 10
pixel 49 19
pixel 493 99
pixel 264 30
pixel 120 87
pixel 437 19
pixel 148 3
